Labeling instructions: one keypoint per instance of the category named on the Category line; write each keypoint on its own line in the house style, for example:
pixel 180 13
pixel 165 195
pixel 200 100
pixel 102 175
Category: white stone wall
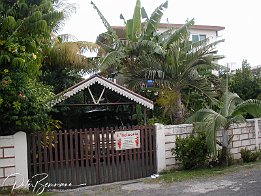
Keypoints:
pixel 244 136
pixel 13 159
pixel 7 159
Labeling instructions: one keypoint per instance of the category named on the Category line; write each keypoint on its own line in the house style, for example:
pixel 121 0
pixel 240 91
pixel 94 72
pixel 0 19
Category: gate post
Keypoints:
pixel 160 147
pixel 21 166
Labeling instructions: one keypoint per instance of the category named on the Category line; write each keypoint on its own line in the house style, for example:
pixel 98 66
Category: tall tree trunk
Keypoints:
pixel 224 152
pixel 179 110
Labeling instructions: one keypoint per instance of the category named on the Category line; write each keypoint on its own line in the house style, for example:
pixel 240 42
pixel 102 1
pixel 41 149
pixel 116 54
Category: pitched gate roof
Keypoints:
pixel 107 84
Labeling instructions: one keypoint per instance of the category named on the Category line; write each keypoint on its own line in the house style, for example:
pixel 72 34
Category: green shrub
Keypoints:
pixel 191 151
pixel 248 155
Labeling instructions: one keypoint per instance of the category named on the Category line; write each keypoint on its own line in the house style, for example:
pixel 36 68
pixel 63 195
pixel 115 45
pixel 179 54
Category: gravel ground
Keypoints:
pixel 245 181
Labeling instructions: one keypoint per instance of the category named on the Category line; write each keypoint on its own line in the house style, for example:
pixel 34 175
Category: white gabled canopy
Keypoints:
pixel 107 84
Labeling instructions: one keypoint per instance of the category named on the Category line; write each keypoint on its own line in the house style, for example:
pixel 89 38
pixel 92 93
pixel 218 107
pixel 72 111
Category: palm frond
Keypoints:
pixel 152 24
pixel 209 121
pixel 232 99
pixel 106 23
pixel 112 59
pixel 236 119
pixel 168 38
pixel 250 106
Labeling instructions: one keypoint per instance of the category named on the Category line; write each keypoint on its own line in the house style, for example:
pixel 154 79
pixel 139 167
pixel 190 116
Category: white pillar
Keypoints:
pixel 160 147
pixel 21 166
pixel 256 132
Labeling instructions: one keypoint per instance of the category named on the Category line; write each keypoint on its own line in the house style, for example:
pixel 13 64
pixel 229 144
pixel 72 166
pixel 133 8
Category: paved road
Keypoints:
pixel 243 182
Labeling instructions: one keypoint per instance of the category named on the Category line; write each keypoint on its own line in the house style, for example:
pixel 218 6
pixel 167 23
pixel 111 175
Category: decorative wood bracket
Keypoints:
pixel 93 99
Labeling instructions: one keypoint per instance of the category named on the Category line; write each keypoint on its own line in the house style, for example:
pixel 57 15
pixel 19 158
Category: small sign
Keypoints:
pixel 127 139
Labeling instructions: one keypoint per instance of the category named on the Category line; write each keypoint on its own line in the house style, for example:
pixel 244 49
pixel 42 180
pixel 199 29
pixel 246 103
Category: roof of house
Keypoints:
pixel 96 79
pixel 120 30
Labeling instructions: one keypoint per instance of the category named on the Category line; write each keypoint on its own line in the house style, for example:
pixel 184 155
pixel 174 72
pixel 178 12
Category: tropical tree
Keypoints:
pixel 139 39
pixel 231 111
pixel 170 59
pixel 244 83
pixel 25 31
pixel 65 61
pixel 178 67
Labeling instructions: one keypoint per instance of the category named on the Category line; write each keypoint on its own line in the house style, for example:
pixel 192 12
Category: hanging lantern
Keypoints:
pixel 149 83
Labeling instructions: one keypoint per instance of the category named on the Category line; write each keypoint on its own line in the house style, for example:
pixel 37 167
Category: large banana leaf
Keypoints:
pixel 153 22
pixel 168 37
pixel 136 23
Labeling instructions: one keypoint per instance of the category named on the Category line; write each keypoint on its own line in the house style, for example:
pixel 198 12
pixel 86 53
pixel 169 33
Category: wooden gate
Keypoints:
pixel 67 159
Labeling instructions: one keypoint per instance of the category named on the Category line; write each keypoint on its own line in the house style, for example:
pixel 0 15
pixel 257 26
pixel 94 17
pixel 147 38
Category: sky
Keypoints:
pixel 240 18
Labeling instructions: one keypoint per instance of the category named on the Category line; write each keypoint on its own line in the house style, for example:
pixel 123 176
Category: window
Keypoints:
pixel 197 37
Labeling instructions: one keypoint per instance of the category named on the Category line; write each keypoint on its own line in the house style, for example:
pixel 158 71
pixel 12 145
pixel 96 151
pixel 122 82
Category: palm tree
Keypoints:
pixel 140 39
pixel 170 59
pixel 177 66
pixel 232 111
pixel 65 61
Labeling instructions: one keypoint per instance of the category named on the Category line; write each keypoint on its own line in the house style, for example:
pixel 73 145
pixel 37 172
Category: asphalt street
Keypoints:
pixel 242 182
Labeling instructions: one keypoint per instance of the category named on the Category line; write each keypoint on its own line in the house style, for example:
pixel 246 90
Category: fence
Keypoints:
pixel 245 135
pixel 88 157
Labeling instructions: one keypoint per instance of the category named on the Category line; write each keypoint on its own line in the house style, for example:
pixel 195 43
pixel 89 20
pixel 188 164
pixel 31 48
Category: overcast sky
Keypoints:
pixel 241 19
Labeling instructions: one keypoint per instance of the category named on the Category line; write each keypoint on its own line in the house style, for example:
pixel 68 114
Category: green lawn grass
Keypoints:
pixel 182 175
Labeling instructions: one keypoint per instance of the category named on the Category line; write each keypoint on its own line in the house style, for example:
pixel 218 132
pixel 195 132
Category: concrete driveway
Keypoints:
pixel 244 181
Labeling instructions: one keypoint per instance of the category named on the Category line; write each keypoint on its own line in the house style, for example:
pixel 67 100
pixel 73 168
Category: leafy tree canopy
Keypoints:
pixel 245 83
pixel 25 29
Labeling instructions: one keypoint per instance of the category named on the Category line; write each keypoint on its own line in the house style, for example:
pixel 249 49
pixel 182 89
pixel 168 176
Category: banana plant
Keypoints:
pixel 140 38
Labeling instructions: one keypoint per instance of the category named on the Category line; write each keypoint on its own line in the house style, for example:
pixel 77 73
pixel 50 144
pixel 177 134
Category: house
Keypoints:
pixel 198 32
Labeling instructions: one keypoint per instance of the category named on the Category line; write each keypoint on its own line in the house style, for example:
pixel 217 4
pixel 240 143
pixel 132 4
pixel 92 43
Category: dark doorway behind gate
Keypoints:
pixel 89 157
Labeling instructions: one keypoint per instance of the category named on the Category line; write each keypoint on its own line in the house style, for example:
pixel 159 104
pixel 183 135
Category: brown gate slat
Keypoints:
pixel 71 156
pixel 88 173
pixel 50 147
pixel 61 158
pixel 68 178
pixel 40 160
pixel 127 159
pixel 97 155
pixel 92 165
pixel 108 156
pixel 143 151
pixel 150 151
pixel 77 173
pixel 56 142
pixel 139 160
pixel 103 150
pixel 146 150
pixel 83 179
pixel 34 154
pixel 115 173
pixel 45 154
pixel 122 164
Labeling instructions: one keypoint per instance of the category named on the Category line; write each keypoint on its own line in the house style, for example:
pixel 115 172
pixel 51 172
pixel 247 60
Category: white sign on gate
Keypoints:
pixel 127 139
